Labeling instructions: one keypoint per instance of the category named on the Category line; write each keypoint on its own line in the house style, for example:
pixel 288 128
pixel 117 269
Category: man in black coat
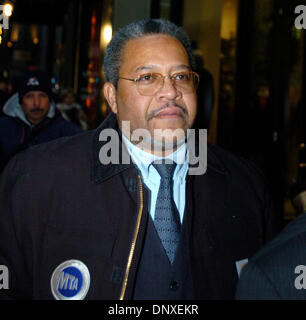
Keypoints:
pixel 96 217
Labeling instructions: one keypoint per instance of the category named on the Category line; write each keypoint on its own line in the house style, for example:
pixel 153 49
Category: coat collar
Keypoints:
pixel 101 172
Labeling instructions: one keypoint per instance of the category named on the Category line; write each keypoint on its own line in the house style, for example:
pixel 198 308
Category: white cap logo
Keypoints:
pixel 33 82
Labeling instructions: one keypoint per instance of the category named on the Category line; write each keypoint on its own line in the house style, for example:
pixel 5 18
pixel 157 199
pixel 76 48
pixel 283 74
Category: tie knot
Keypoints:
pixel 165 170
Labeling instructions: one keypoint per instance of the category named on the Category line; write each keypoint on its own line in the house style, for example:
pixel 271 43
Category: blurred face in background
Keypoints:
pixel 35 105
pixel 69 98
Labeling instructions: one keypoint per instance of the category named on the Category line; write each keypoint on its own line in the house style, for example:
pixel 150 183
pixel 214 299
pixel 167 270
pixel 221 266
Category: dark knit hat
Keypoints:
pixel 34 81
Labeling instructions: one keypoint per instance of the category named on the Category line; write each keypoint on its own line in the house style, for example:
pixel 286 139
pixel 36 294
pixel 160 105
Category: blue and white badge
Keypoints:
pixel 70 281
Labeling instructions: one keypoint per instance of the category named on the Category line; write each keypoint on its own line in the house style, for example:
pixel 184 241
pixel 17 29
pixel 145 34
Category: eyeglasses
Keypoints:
pixel 150 83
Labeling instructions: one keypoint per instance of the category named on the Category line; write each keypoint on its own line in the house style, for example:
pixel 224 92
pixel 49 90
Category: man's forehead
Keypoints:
pixel 142 52
pixel 151 39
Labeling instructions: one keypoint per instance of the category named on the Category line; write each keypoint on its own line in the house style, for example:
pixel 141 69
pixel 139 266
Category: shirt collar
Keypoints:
pixel 143 159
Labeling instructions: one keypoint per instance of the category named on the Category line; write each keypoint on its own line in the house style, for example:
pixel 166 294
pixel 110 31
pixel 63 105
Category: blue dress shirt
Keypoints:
pixel 151 178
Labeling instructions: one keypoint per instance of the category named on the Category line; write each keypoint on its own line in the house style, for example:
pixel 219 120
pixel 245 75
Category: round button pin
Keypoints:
pixel 70 281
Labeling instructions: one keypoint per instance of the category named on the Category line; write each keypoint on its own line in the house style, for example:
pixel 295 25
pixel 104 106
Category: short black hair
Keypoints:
pixel 136 30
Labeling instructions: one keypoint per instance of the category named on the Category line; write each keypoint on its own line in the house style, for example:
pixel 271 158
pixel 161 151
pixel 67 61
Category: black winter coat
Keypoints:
pixel 59 203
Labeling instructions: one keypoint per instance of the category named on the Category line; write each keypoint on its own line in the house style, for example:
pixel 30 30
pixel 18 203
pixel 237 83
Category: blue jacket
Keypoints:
pixel 17 133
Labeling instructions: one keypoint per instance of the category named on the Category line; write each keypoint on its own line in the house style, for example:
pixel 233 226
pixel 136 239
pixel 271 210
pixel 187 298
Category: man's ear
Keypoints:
pixel 110 95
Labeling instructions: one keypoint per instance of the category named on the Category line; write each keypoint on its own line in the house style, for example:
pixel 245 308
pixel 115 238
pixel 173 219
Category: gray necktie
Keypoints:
pixel 166 219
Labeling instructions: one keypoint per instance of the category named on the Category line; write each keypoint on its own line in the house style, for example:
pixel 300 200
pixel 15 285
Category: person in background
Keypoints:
pixel 278 270
pixel 71 110
pixel 30 117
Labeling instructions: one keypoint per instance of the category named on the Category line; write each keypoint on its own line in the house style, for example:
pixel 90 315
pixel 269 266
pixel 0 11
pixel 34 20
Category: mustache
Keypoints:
pixel 153 113
pixel 37 110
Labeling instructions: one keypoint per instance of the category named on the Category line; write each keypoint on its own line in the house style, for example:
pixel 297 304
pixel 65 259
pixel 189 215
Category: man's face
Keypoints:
pixel 168 108
pixel 35 105
pixel 69 99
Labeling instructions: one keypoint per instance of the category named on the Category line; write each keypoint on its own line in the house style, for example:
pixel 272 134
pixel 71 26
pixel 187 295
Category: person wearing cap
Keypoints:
pixel 30 117
pixel 128 211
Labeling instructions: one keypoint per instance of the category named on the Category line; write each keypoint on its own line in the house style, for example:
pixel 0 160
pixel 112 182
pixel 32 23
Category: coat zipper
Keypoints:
pixel 131 254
